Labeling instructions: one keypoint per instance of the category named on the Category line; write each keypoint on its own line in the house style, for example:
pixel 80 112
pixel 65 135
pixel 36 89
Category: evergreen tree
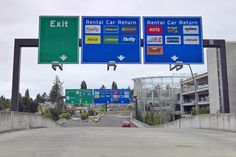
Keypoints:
pixel 4 103
pixel 103 87
pixel 83 85
pixel 56 92
pixel 114 85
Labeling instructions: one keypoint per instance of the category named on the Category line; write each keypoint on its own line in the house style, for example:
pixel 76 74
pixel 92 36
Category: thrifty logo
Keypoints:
pixel 92 39
pixel 129 30
pixel 154 39
pixel 110 40
pixel 129 39
pixel 154 29
pixel 92 29
pixel 172 29
pixel 111 29
pixel 172 40
pixel 191 40
pixel 155 50
pixel 190 29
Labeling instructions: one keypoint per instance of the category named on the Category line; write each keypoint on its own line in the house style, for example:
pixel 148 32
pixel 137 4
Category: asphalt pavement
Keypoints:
pixel 108 120
pixel 117 142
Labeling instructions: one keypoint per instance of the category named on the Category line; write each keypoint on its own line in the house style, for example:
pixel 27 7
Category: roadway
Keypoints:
pixel 108 120
pixel 117 142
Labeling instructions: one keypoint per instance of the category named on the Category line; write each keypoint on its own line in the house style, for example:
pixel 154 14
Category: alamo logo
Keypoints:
pixel 172 40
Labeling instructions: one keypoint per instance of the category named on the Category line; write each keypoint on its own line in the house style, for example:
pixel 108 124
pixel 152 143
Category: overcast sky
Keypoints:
pixel 19 19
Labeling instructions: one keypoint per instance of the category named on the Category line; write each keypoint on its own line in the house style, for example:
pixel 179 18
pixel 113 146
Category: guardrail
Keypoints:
pixel 10 121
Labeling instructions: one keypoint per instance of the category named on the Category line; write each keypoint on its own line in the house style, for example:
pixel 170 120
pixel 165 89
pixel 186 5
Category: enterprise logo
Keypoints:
pixel 110 39
pixel 190 29
pixel 191 40
pixel 92 29
pixel 111 29
pixel 172 40
pixel 155 50
pixel 154 39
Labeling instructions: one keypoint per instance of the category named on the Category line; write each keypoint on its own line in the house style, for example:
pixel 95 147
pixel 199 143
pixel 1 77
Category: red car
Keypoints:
pixel 126 124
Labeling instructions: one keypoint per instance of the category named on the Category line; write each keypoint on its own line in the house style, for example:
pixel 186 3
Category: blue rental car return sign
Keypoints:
pixel 171 39
pixel 107 39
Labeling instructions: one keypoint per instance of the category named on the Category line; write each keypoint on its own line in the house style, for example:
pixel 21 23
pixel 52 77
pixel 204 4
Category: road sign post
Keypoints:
pixel 58 39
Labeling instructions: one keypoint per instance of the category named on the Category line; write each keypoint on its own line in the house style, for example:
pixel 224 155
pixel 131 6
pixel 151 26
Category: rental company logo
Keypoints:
pixel 191 40
pixel 172 29
pixel 111 29
pixel 155 50
pixel 190 29
pixel 129 39
pixel 129 30
pixel 154 29
pixel 92 39
pixel 110 40
pixel 154 39
pixel 92 29
pixel 172 40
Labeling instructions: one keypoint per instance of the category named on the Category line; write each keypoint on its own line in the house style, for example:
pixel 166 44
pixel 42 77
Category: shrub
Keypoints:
pixel 84 115
pixel 152 118
pixel 65 115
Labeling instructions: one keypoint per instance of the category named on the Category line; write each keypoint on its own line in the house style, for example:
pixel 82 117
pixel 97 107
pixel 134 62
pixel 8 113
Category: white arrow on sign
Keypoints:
pixel 121 57
pixel 174 57
pixel 63 57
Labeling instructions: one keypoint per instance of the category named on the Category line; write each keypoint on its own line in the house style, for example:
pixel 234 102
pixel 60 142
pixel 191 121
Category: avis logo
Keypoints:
pixel 154 29
pixel 154 39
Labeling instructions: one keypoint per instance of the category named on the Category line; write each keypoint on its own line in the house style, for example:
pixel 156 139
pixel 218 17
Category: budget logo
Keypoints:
pixel 111 29
pixel 191 40
pixel 110 39
pixel 190 29
pixel 154 29
pixel 154 39
pixel 129 39
pixel 92 29
pixel 155 50
pixel 172 40
pixel 172 29
pixel 129 30
pixel 92 39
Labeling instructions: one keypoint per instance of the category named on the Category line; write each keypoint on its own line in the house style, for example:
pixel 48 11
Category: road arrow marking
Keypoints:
pixel 174 57
pixel 63 57
pixel 121 57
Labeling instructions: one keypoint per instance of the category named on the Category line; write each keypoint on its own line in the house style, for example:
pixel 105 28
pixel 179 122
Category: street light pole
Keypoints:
pixel 195 88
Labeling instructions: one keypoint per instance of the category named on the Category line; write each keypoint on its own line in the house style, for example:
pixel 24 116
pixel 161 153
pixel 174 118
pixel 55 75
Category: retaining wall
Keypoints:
pixel 207 121
pixel 10 121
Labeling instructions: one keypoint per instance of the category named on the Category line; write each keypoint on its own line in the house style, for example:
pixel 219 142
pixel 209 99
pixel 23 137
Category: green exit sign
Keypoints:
pixel 73 96
pixel 58 39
